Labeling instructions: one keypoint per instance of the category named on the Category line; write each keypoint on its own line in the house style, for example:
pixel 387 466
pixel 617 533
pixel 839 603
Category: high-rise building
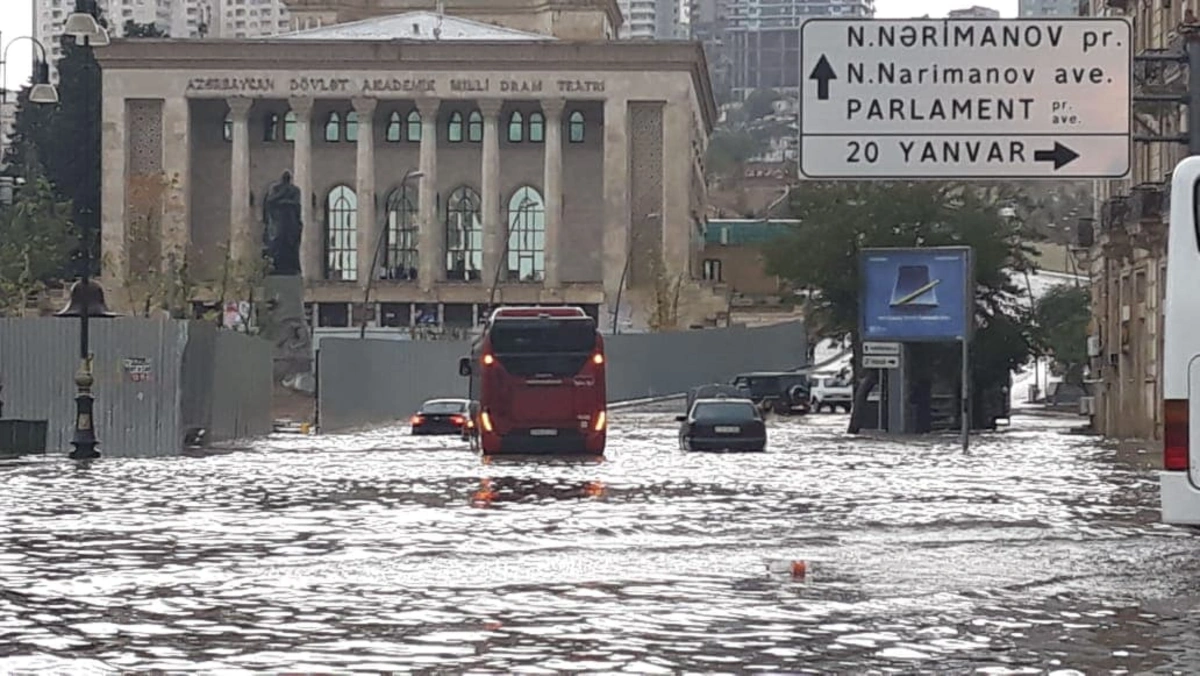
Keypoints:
pixel 178 18
pixel 650 19
pixel 974 12
pixel 755 44
pixel 1032 8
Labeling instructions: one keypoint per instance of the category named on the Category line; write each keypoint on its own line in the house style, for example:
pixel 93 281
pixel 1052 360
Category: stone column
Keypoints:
pixel 114 183
pixel 364 186
pixel 432 239
pixel 552 184
pixel 494 230
pixel 312 265
pixel 616 200
pixel 176 165
pixel 241 232
pixel 678 230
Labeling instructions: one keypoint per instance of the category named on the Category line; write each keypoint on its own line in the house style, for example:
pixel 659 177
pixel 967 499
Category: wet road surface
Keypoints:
pixel 1037 553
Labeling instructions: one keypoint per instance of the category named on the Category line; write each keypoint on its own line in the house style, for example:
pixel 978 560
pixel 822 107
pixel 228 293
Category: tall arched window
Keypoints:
pixel 576 128
pixel 393 128
pixel 333 128
pixel 227 127
pixel 289 126
pixel 475 127
pixel 414 126
pixel 271 127
pixel 516 127
pixel 464 236
pixel 537 128
pixel 400 262
pixel 526 236
pixel 341 238
pixel 352 126
pixel 454 129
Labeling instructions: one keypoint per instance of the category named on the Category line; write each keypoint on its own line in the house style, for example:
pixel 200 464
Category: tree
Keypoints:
pixel 36 240
pixel 133 29
pixel 839 219
pixel 760 103
pixel 729 150
pixel 1062 317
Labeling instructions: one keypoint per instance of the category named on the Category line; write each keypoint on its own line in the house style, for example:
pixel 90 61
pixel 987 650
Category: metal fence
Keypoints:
pixel 154 379
pixel 363 382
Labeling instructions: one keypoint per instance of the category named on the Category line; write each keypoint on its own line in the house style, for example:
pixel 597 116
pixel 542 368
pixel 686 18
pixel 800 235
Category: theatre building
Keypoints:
pixel 515 156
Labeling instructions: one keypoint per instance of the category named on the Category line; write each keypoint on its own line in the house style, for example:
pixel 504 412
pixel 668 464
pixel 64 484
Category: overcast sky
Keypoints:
pixel 17 20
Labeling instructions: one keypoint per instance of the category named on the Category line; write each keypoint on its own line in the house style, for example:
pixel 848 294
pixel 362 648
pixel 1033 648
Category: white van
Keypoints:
pixel 1179 482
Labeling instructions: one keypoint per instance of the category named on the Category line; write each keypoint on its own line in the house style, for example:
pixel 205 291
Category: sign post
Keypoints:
pixel 919 295
pixel 966 99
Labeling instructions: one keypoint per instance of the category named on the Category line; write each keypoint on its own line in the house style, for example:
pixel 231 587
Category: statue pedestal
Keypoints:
pixel 281 321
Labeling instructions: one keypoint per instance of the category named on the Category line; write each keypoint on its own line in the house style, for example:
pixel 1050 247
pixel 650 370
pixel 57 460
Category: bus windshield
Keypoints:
pixel 543 347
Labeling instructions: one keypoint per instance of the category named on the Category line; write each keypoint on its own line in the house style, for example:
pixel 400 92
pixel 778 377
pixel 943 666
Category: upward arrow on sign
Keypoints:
pixel 823 73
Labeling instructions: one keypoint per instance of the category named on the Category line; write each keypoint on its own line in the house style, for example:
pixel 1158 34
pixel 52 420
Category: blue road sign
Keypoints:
pixel 916 295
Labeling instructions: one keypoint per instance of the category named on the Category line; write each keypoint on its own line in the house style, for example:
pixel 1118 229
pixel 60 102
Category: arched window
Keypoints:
pixel 454 129
pixel 352 126
pixel 227 127
pixel 526 236
pixel 400 262
pixel 516 130
pixel 537 128
pixel 464 236
pixel 289 126
pixel 393 128
pixel 271 127
pixel 475 127
pixel 576 128
pixel 414 126
pixel 333 128
pixel 341 235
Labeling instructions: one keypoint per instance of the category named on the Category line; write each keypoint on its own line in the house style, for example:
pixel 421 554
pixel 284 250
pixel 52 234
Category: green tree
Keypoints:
pixel 760 103
pixel 1062 317
pixel 36 240
pixel 729 150
pixel 839 219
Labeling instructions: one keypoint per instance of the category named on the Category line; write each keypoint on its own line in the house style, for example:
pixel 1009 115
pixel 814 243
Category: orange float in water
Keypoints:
pixel 799 569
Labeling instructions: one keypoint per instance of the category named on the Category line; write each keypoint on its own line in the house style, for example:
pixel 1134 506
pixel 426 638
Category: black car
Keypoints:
pixel 713 391
pixel 782 392
pixel 723 425
pixel 442 416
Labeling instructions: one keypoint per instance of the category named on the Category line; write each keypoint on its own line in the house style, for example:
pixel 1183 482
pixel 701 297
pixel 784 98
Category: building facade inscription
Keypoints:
pixel 424 85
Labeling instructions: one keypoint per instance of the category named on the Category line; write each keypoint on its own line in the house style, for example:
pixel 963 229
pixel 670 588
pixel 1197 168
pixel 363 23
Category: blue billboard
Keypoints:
pixel 916 295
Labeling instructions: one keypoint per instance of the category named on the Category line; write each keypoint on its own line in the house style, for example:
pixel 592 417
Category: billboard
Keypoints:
pixel 916 295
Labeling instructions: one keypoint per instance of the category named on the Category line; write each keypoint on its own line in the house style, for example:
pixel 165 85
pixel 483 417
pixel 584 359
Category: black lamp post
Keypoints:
pixel 40 92
pixel 87 296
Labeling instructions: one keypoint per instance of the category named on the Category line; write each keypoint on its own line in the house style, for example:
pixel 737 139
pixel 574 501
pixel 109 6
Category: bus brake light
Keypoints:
pixel 598 358
pixel 488 360
pixel 486 420
pixel 601 420
pixel 1175 435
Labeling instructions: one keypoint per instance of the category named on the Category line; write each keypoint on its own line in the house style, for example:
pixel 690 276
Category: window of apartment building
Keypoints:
pixel 712 270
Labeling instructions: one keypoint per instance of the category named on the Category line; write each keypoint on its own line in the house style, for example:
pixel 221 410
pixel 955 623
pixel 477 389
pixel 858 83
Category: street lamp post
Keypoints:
pixel 409 175
pixel 40 92
pixel 87 296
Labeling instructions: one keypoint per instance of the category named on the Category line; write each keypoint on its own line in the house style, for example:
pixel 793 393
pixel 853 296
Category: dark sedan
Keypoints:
pixel 441 416
pixel 723 425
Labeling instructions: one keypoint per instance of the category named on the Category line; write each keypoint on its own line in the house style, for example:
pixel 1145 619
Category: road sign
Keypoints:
pixel 880 362
pixel 881 348
pixel 953 98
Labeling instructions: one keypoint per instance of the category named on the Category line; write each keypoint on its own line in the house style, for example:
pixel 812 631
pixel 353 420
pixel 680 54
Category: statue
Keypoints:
pixel 281 234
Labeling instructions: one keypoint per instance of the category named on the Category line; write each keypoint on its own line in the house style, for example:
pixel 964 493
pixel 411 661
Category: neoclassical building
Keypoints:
pixel 479 161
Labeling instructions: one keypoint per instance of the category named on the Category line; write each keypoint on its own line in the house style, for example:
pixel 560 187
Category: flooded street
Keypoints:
pixel 1037 553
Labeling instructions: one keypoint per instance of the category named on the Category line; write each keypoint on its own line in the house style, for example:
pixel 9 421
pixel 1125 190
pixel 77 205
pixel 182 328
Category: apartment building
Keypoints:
pixel 651 20
pixel 1124 246
pixel 755 44
pixel 1048 8
pixel 974 12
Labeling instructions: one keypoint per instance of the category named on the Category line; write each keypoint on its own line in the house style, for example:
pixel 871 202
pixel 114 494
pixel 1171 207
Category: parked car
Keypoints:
pixel 713 391
pixel 723 424
pixel 782 392
pixel 831 391
pixel 442 416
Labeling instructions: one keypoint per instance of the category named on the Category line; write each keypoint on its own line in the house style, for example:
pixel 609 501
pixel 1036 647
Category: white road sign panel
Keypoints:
pixel 878 362
pixel 881 348
pixel 1032 86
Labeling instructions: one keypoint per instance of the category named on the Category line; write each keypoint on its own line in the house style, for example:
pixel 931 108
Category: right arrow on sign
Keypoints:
pixel 823 73
pixel 1061 156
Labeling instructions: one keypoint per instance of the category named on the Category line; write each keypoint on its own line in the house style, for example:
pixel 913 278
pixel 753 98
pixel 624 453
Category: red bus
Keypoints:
pixel 538 374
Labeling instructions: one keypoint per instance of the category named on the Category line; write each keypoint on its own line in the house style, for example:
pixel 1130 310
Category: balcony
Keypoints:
pixel 1122 5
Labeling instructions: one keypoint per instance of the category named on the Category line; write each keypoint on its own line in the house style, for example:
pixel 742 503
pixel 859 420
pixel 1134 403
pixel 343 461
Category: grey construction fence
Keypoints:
pixel 363 382
pixel 154 380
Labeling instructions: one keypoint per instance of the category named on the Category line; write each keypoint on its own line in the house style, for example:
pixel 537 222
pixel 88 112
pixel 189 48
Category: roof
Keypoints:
pixel 741 232
pixel 414 26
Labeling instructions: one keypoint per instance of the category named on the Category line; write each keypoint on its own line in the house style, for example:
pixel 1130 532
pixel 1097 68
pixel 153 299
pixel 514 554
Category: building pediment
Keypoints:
pixel 415 26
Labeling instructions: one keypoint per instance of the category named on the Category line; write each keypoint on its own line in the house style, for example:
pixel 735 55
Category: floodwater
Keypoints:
pixel 1038 552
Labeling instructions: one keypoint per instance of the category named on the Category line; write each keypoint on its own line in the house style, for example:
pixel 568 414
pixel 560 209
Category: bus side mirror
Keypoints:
pixel 464 367
pixel 681 418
